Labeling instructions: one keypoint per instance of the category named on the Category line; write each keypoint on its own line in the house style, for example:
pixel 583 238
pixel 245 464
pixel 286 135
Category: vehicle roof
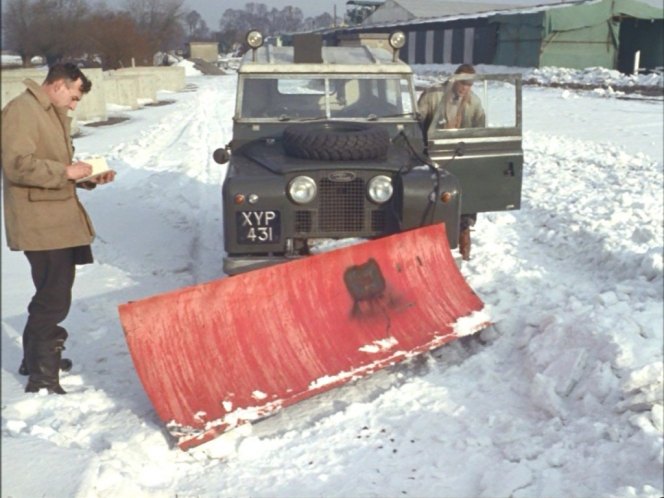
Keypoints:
pixel 271 59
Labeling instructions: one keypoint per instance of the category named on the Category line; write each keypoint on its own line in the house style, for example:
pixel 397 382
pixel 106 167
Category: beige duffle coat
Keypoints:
pixel 470 111
pixel 41 207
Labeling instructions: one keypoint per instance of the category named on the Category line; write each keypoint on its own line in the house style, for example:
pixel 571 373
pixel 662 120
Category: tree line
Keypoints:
pixel 76 30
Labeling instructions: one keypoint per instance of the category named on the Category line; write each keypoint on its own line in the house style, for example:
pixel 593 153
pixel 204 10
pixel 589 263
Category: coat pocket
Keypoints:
pixel 50 194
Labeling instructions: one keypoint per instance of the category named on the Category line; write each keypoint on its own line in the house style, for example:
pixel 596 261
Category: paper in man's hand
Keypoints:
pixel 99 167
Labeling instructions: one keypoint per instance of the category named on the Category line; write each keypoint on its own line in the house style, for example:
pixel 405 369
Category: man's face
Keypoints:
pixel 462 88
pixel 67 93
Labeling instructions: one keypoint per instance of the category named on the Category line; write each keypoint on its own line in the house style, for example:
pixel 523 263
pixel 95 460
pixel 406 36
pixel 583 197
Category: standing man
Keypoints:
pixel 462 108
pixel 43 215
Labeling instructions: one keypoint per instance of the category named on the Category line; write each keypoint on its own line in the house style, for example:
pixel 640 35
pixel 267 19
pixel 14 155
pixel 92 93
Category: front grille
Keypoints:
pixel 378 221
pixel 303 221
pixel 341 206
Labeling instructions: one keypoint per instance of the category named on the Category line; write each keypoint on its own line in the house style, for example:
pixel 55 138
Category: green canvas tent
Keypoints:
pixel 605 33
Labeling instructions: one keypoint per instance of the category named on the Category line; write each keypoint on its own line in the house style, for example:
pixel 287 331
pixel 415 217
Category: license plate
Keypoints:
pixel 258 227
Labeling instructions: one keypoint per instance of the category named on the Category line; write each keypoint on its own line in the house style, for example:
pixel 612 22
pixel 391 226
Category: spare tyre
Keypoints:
pixel 336 141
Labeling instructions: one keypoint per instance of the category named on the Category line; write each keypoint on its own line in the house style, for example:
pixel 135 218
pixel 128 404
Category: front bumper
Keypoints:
pixel 234 265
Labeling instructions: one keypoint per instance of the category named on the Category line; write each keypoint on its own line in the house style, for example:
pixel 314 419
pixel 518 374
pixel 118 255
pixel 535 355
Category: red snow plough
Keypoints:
pixel 327 144
pixel 235 350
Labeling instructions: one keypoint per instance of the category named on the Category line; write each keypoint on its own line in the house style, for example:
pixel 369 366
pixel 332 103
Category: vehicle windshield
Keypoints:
pixel 312 97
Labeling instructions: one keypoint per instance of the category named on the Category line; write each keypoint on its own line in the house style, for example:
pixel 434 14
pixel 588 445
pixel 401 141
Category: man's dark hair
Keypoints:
pixel 465 69
pixel 69 72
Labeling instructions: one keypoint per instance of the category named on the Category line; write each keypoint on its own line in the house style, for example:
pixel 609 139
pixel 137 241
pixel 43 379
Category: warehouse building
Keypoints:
pixel 616 34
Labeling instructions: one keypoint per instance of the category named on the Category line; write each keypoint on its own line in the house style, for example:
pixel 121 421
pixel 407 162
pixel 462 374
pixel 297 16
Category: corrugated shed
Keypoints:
pixel 402 10
pixel 606 33
pixel 581 35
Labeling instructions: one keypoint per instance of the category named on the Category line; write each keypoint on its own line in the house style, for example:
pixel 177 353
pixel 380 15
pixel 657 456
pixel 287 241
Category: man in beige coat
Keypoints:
pixel 43 215
pixel 450 106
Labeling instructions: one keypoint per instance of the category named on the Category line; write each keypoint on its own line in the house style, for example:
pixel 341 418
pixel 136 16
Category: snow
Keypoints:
pixel 8 60
pixel 550 76
pixel 562 397
pixel 189 69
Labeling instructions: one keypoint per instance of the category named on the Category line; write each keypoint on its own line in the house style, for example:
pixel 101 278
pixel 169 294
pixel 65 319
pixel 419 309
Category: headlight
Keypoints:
pixel 380 189
pixel 397 40
pixel 302 189
pixel 254 39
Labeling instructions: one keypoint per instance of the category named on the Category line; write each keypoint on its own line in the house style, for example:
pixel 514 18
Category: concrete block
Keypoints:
pixel 37 74
pixel 122 90
pixel 146 81
pixel 170 78
pixel 11 82
pixel 10 89
pixel 92 106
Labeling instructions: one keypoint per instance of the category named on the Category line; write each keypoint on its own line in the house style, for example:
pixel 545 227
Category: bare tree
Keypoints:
pixel 229 38
pixel 287 20
pixel 202 31
pixel 324 20
pixel 159 21
pixel 193 18
pixel 52 28
pixel 117 41
pixel 257 16
pixel 17 20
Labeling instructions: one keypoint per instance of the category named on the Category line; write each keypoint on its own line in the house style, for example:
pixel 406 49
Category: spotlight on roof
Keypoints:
pixel 254 39
pixel 397 40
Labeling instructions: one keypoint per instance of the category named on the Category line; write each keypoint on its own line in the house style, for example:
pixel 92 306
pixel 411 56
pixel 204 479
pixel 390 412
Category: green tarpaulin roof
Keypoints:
pixel 582 14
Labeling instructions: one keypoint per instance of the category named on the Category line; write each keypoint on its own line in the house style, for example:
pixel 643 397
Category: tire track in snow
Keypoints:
pixel 170 164
pixel 213 127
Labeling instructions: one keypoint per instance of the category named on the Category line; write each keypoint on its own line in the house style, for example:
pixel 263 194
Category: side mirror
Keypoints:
pixel 221 156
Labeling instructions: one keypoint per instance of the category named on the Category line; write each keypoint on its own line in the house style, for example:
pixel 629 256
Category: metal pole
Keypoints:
pixel 637 61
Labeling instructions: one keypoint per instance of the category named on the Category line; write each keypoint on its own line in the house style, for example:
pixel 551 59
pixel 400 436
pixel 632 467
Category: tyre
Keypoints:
pixel 336 142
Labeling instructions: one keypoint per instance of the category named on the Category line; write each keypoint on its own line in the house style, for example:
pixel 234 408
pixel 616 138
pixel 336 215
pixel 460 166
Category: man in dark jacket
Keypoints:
pixel 43 215
pixel 454 105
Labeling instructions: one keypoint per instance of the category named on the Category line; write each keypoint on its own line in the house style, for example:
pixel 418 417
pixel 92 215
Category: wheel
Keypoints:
pixel 336 142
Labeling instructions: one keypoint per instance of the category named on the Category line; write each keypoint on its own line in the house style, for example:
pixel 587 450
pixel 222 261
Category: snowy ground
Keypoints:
pixel 563 398
pixel 602 81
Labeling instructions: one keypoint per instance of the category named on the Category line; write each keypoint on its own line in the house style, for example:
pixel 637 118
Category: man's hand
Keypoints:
pixel 78 170
pixel 107 177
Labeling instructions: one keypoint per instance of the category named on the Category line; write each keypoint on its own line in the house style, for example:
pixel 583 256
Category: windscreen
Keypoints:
pixel 309 97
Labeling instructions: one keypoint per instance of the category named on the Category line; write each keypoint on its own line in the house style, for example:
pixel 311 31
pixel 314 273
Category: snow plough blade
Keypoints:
pixel 235 350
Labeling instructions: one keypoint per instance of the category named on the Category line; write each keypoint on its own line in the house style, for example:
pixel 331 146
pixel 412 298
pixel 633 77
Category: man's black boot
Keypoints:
pixel 65 366
pixel 464 244
pixel 43 363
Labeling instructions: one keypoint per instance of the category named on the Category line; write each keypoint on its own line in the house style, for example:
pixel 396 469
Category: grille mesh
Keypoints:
pixel 303 221
pixel 378 221
pixel 341 206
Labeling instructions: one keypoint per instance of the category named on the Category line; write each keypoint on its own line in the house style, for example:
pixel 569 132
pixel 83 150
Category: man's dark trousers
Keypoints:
pixel 53 274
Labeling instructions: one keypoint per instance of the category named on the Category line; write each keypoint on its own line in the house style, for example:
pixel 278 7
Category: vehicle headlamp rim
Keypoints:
pixel 371 185
pixel 397 39
pixel 299 181
pixel 254 39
